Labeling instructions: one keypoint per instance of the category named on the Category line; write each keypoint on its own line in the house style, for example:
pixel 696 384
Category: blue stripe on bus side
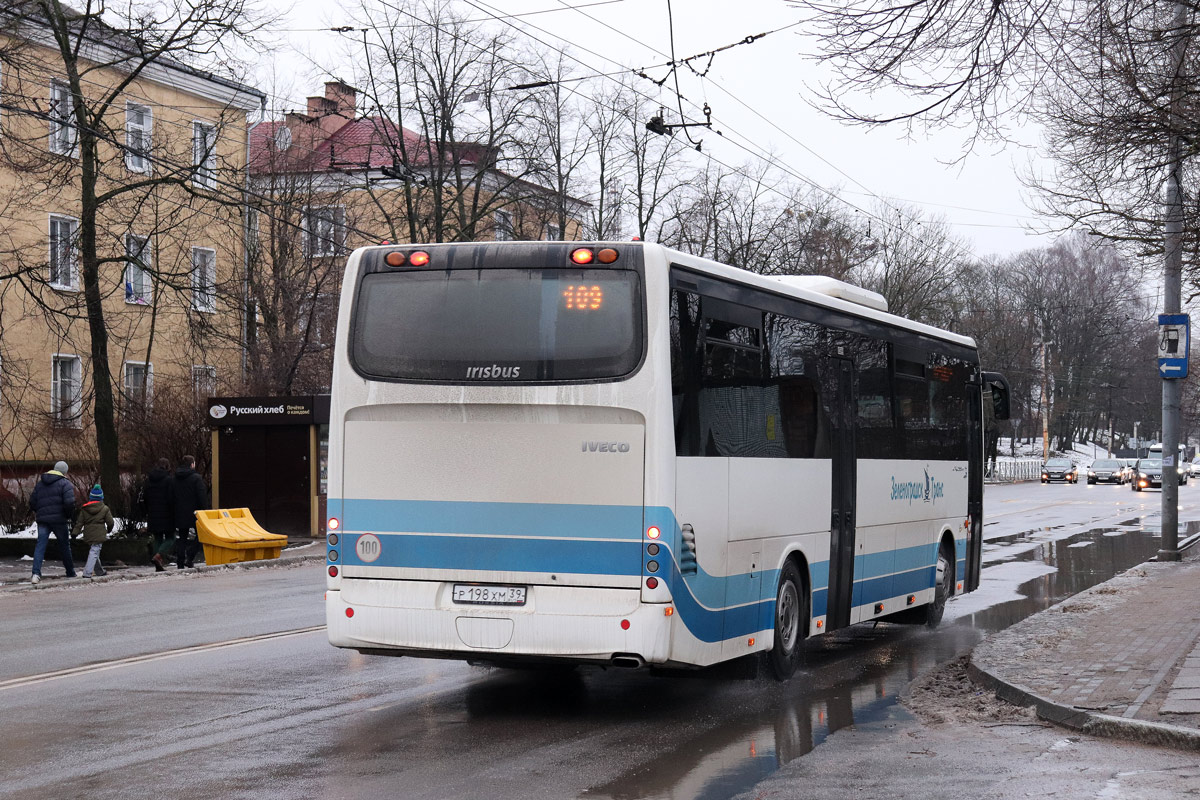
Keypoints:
pixel 548 520
pixel 500 554
pixel 534 537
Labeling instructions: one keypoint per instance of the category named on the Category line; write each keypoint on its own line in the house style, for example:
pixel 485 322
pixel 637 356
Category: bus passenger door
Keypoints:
pixel 843 479
pixel 976 453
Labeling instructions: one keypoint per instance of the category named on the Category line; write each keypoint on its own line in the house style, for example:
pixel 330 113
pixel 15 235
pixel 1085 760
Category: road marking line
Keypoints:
pixel 103 666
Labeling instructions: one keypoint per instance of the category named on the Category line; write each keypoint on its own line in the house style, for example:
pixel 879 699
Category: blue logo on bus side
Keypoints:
pixel 927 492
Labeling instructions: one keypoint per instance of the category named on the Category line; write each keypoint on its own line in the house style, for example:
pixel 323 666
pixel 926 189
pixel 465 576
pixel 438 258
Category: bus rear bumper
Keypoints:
pixel 596 625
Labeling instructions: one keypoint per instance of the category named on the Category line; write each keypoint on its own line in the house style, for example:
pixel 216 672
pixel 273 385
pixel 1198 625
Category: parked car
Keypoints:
pixel 1106 470
pixel 1060 469
pixel 1194 467
pixel 1148 474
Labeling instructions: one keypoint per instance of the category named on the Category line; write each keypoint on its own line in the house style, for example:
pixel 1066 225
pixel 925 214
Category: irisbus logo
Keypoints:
pixel 494 371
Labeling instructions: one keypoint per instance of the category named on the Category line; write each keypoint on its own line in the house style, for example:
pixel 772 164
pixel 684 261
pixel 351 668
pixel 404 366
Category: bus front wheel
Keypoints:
pixel 791 623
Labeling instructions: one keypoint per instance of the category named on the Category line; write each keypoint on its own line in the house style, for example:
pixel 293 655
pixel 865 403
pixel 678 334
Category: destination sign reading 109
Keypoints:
pixel 581 297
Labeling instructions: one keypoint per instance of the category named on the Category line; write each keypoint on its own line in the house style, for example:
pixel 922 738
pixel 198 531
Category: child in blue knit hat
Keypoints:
pixel 95 521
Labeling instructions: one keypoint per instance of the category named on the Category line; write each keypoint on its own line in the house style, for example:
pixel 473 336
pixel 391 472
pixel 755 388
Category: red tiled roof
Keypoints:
pixel 364 143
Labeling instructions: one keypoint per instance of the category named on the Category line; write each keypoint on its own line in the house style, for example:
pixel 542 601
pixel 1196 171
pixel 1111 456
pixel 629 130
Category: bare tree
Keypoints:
pixel 97 54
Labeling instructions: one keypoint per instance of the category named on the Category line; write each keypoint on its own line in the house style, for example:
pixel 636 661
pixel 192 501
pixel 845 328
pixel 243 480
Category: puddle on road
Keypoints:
pixel 852 677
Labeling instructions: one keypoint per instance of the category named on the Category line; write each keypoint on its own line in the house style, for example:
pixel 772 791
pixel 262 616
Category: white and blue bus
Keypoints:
pixel 615 453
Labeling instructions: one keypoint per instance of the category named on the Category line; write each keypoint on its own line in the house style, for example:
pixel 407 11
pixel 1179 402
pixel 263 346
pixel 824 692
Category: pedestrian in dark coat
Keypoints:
pixel 191 495
pixel 53 506
pixel 95 522
pixel 158 504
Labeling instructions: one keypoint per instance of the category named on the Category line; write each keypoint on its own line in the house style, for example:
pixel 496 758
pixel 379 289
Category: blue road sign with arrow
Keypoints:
pixel 1174 341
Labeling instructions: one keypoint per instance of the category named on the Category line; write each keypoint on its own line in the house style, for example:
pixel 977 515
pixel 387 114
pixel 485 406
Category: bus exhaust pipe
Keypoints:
pixel 628 661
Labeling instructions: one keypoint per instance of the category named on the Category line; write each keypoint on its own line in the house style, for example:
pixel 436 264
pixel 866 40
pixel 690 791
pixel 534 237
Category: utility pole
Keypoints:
pixel 1046 399
pixel 1172 389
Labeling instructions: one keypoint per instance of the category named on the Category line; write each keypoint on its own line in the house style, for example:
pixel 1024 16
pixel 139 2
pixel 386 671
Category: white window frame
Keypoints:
pixel 138 288
pixel 64 138
pixel 204 154
pixel 58 252
pixel 204 381
pixel 73 407
pixel 324 232
pixel 204 286
pixel 138 141
pixel 505 232
pixel 131 392
pixel 552 233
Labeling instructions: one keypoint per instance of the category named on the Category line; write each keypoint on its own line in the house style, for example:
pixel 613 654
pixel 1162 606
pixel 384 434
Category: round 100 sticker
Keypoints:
pixel 368 548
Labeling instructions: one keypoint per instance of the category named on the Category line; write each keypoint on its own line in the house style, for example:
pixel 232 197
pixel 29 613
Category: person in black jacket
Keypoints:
pixel 158 504
pixel 53 506
pixel 191 495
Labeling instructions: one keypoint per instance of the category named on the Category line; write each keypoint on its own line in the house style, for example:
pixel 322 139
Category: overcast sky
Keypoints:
pixel 981 197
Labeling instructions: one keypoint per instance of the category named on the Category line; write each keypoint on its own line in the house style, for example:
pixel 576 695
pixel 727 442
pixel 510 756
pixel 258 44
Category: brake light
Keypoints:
pixel 653 532
pixel 419 258
pixel 334 524
pixel 582 256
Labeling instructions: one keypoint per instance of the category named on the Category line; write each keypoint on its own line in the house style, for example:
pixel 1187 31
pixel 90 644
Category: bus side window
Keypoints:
pixel 792 347
pixel 876 427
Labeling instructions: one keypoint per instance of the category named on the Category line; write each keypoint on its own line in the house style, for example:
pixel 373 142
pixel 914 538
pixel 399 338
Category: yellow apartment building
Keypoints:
pixel 170 233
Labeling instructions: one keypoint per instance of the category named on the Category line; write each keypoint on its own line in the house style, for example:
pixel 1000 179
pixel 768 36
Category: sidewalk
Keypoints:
pixel 15 572
pixel 1121 659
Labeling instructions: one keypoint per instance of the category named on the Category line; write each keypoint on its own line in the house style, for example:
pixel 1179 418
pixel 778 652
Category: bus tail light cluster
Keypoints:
pixel 398 258
pixel 585 255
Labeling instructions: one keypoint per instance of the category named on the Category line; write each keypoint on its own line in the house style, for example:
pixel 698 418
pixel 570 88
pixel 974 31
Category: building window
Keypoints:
pixel 64 254
pixel 553 232
pixel 139 384
pixel 204 280
pixel 64 390
pixel 325 230
pixel 63 136
pixel 504 227
pixel 204 154
pixel 204 381
pixel 139 123
pixel 137 269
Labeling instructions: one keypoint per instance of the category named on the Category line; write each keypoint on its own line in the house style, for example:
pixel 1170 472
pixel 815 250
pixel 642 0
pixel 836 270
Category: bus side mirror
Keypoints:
pixel 998 385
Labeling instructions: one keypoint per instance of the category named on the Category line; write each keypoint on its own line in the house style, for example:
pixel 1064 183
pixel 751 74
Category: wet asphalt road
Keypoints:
pixel 216 685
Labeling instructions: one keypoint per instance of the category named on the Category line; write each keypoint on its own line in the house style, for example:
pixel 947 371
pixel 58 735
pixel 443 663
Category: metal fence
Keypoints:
pixel 1013 470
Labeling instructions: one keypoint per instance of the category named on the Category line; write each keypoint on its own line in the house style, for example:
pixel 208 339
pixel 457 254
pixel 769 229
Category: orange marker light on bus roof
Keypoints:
pixel 606 256
pixel 419 258
pixel 394 259
pixel 653 532
pixel 582 256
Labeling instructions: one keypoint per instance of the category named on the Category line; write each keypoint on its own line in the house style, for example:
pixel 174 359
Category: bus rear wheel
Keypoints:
pixel 943 588
pixel 791 623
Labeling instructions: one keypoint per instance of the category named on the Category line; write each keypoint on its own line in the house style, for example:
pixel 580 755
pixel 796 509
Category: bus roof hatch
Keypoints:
pixel 832 287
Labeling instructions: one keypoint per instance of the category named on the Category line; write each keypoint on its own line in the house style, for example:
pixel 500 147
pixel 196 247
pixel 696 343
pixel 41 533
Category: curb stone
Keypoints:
pixel 274 563
pixel 1087 722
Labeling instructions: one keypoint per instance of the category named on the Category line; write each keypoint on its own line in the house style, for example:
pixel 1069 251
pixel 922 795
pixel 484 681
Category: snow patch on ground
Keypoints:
pixel 999 583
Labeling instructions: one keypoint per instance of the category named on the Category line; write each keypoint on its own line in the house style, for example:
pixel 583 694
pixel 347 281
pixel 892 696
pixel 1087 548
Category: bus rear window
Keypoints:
pixel 498 325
